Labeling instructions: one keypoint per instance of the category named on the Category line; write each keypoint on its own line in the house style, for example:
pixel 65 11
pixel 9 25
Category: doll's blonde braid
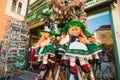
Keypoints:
pixel 83 38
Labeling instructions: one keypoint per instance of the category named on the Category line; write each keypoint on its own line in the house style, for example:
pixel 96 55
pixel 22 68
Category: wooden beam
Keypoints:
pixel 36 25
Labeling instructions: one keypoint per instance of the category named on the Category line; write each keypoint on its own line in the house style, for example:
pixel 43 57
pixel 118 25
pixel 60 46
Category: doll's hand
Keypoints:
pixel 58 38
pixel 64 40
pixel 63 36
pixel 83 40
pixel 92 39
pixel 35 45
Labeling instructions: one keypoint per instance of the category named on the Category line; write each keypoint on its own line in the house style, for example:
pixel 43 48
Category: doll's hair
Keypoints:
pixel 83 37
pixel 81 33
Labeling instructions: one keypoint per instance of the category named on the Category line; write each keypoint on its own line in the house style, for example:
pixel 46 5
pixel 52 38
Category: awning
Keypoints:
pixel 93 5
pixel 36 25
pixel 37 2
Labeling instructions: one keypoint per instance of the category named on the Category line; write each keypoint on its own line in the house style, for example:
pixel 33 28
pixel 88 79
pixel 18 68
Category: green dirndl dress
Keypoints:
pixel 93 48
pixel 78 49
pixel 49 49
pixel 61 49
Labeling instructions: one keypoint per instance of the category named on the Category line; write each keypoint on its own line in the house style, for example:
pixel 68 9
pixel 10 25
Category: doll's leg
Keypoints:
pixel 39 59
pixel 84 65
pixel 51 61
pixel 45 59
pixel 96 56
pixel 73 68
pixel 97 59
pixel 64 60
pixel 44 63
pixel 91 60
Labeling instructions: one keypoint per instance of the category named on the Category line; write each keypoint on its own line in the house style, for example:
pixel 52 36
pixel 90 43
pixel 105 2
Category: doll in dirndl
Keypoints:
pixel 45 47
pixel 77 45
pixel 82 17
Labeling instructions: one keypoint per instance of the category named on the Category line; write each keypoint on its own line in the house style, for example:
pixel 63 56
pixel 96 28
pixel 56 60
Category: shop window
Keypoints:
pixel 99 24
pixel 14 3
pixel 19 8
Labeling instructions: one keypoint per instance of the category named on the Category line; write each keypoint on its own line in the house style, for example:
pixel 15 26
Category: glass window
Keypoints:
pixel 14 3
pixel 100 25
pixel 19 8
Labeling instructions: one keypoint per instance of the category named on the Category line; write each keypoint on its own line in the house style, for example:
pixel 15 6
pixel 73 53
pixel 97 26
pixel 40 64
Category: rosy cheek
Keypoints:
pixel 78 33
pixel 71 33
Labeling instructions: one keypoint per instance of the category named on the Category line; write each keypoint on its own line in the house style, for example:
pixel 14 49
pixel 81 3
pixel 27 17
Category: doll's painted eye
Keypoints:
pixel 72 29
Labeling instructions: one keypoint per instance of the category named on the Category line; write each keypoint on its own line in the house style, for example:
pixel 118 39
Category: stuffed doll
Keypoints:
pixel 82 17
pixel 31 54
pixel 98 73
pixel 77 45
pixel 62 44
pixel 45 47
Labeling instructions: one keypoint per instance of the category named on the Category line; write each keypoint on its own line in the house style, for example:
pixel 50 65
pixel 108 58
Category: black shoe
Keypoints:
pixel 98 61
pixel 51 64
pixel 64 62
pixel 77 62
pixel 91 62
pixel 43 66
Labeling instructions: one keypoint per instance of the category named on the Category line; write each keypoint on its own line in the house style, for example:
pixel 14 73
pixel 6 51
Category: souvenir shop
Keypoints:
pixel 72 40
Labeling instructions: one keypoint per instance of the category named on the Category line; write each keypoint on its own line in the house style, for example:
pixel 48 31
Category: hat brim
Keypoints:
pixel 71 24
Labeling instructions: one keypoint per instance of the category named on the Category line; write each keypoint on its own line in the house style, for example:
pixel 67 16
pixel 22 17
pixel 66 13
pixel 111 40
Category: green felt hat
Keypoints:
pixel 71 24
pixel 46 29
pixel 46 12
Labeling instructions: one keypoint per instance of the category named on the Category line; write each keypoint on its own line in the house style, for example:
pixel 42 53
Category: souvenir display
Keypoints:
pixel 72 48
pixel 60 45
pixel 15 45
pixel 31 54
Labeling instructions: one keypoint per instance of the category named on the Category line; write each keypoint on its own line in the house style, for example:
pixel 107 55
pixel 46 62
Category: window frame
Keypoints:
pixel 18 9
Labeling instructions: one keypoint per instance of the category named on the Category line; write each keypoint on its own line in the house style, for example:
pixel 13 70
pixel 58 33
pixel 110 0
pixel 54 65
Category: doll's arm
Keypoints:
pixel 83 38
pixel 92 39
pixel 37 44
pixel 64 39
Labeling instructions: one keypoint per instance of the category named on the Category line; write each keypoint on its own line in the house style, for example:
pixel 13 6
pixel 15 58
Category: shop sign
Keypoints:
pixel 35 16
pixel 94 2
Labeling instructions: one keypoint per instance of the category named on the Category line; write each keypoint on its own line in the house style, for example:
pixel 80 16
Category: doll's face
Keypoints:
pixel 83 17
pixel 45 34
pixel 74 31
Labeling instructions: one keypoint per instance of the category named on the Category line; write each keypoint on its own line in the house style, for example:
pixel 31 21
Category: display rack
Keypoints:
pixel 15 42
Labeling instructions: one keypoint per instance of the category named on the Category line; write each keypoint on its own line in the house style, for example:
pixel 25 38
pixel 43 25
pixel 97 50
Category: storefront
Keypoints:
pixel 100 22
pixel 34 22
